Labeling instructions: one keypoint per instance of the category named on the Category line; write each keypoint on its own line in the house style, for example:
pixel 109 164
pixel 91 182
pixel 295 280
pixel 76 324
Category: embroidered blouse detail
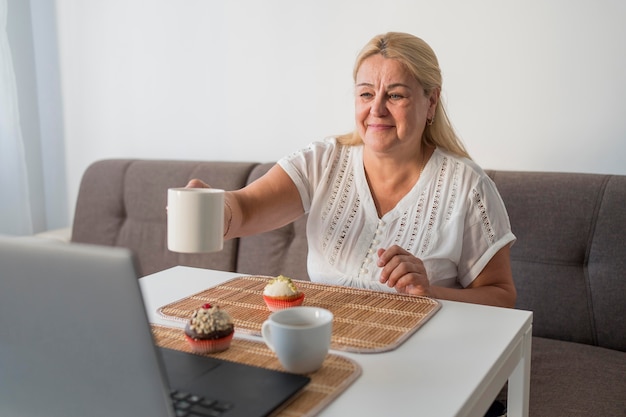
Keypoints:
pixel 453 191
pixel 480 206
pixel 368 259
pixel 340 202
pixel 340 160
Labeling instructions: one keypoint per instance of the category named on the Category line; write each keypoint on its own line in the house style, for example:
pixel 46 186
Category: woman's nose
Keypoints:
pixel 379 106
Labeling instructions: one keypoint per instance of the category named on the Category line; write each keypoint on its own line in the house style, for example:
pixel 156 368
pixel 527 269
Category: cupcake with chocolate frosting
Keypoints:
pixel 210 329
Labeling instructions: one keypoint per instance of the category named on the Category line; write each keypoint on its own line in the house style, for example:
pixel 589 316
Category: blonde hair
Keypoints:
pixel 420 60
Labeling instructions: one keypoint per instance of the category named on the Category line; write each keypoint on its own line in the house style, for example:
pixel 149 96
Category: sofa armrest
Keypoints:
pixel 62 235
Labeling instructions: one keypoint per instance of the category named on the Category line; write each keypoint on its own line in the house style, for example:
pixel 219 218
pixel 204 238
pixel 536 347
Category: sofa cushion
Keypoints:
pixel 573 379
pixel 123 203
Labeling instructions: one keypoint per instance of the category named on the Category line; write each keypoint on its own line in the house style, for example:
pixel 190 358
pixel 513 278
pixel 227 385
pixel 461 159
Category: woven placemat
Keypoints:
pixel 365 321
pixel 335 375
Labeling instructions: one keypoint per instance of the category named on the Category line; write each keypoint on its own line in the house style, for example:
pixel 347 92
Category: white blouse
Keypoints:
pixel 453 218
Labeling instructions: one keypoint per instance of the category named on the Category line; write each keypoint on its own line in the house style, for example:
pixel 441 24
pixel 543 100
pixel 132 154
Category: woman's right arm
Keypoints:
pixel 268 203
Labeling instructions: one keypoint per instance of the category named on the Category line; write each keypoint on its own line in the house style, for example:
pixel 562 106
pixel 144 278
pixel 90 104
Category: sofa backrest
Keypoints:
pixel 568 262
pixel 281 251
pixel 123 203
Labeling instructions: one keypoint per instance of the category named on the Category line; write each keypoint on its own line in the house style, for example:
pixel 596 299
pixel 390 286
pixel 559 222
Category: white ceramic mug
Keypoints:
pixel 195 220
pixel 300 337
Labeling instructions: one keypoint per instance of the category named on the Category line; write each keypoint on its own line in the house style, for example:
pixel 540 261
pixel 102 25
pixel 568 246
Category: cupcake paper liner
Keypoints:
pixel 274 304
pixel 209 345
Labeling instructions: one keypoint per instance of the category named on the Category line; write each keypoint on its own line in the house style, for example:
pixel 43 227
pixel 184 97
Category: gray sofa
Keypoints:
pixel 569 262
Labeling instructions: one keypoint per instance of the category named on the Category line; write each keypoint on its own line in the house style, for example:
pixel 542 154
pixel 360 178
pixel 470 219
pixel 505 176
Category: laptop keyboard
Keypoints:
pixel 190 405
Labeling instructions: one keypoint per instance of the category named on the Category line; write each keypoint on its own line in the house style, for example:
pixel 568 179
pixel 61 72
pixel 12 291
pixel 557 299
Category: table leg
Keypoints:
pixel 519 381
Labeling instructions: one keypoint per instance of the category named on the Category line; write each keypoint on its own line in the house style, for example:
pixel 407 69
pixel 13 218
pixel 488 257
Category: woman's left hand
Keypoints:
pixel 403 271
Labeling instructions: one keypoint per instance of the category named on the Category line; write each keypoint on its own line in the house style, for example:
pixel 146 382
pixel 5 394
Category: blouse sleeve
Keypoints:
pixel 306 168
pixel 487 229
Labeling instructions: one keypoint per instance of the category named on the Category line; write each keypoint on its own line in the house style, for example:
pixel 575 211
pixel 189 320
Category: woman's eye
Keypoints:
pixel 365 95
pixel 395 96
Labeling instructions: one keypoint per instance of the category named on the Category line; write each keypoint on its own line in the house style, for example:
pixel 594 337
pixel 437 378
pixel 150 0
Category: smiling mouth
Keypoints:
pixel 379 126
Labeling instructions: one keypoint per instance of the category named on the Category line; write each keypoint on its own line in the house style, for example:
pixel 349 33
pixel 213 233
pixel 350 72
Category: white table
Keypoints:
pixel 454 365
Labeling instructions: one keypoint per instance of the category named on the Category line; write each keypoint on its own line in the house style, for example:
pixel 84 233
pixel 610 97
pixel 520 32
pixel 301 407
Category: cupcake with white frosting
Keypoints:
pixel 281 293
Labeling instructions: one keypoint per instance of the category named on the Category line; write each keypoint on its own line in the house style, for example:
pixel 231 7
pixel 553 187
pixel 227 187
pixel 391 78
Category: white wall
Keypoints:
pixel 530 85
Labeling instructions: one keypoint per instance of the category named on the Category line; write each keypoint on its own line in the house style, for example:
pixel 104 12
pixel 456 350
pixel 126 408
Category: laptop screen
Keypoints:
pixel 75 339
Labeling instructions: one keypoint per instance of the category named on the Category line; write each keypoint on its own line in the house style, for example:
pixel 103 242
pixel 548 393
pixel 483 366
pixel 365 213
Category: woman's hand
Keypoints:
pixel 196 183
pixel 406 273
pixel 403 271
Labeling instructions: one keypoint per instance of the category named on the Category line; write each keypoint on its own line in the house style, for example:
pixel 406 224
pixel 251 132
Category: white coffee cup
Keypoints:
pixel 300 337
pixel 195 220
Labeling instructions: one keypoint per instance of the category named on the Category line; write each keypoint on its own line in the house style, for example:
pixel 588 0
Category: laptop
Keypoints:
pixel 75 341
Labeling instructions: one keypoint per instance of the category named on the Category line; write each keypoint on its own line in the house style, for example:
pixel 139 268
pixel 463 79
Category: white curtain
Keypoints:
pixel 15 210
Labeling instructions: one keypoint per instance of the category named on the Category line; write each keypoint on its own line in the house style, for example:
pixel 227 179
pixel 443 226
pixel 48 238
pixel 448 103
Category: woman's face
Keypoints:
pixel 391 108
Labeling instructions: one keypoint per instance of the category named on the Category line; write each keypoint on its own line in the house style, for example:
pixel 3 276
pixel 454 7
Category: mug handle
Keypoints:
pixel 267 335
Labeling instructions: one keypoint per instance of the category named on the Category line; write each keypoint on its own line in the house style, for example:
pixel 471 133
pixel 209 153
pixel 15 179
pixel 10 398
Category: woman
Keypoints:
pixel 397 205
